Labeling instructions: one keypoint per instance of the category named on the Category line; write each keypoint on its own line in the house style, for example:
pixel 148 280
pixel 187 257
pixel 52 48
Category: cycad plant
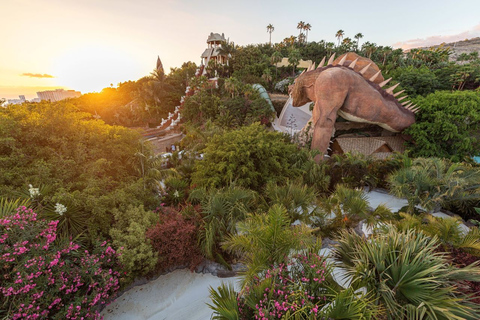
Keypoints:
pixel 267 239
pixel 410 279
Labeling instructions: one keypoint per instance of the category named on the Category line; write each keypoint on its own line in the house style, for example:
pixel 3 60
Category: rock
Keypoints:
pixel 328 243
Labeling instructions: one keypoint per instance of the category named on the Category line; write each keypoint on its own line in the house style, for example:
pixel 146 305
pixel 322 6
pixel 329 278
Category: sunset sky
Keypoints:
pixel 87 45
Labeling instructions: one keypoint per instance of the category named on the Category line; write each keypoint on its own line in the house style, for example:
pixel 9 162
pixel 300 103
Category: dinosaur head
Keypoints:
pixel 298 90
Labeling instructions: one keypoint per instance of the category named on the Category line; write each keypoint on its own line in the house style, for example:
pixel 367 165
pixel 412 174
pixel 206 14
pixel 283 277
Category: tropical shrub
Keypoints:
pixel 433 182
pixel 129 237
pixel 46 279
pixel 221 209
pixel 447 125
pixel 267 239
pixel 249 157
pixel 174 239
pixel 300 288
pixel 298 199
pixel 407 275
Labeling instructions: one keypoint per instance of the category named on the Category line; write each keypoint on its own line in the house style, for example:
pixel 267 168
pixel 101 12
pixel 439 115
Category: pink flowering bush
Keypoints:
pixel 300 288
pixel 297 287
pixel 43 279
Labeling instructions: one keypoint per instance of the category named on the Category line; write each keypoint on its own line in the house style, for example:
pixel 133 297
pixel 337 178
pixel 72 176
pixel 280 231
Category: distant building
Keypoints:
pixel 17 101
pixel 58 94
pixel 213 52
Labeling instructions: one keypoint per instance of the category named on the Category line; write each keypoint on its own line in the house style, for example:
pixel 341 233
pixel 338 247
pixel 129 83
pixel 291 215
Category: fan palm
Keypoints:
pixel 307 27
pixel 405 272
pixel 358 36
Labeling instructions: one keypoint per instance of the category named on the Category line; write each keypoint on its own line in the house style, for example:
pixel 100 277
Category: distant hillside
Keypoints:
pixel 459 47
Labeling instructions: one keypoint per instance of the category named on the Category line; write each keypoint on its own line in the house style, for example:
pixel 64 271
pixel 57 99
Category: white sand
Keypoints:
pixel 178 295
pixel 182 295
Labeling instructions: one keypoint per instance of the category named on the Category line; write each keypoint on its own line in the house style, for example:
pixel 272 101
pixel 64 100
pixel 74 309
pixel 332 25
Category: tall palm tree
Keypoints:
pixel 294 58
pixel 270 29
pixel 307 27
pixel 339 35
pixel 300 26
pixel 358 36
pixel 276 58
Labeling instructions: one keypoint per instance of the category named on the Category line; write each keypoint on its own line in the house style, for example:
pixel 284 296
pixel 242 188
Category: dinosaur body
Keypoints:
pixel 345 91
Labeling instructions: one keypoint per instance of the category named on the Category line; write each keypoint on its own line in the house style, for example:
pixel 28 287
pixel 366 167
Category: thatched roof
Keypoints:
pixel 365 146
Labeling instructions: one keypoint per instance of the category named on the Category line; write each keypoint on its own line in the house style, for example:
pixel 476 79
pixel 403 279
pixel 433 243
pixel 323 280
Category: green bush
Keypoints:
pixel 447 126
pixel 128 236
pixel 249 157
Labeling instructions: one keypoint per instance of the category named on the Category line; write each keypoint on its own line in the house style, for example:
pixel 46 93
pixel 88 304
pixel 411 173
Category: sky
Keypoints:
pixel 87 45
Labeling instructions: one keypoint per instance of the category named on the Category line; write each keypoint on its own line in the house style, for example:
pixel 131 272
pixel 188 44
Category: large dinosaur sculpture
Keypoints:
pixel 343 88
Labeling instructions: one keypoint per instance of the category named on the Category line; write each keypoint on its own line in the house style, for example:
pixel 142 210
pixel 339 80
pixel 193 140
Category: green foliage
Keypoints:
pixel 267 239
pixel 128 237
pixel 447 126
pixel 298 199
pixel 249 157
pixel 403 269
pixel 433 182
pixel 417 81
pixel 220 210
pixel 224 301
pixel 8 207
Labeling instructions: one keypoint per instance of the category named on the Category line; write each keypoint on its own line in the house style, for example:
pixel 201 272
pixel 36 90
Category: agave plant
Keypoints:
pixel 410 279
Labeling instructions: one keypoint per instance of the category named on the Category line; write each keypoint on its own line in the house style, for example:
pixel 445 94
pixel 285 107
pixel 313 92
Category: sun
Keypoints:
pixel 91 68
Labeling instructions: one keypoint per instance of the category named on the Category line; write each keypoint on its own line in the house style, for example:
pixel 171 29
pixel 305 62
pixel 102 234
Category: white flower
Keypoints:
pixel 34 192
pixel 60 209
pixel 176 194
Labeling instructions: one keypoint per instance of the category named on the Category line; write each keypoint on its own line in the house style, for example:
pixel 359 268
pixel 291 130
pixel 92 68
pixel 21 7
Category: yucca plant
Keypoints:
pixel 406 274
pixel 224 302
pixel 9 206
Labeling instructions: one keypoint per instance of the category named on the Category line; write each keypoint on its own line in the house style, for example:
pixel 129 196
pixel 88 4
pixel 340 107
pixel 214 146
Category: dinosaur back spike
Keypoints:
pixel 321 63
pixel 365 69
pixel 330 61
pixel 341 62
pixel 352 65
pixel 390 90
pixel 375 75
pixel 381 84
pixel 398 93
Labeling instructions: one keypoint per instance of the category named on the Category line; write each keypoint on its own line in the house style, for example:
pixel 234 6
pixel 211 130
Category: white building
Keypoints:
pixel 212 53
pixel 17 101
pixel 58 94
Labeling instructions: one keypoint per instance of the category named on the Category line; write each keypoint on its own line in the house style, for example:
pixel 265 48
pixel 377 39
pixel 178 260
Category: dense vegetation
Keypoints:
pixel 86 202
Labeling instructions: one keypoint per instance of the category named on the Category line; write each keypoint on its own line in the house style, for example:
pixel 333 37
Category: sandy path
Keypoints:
pixel 177 295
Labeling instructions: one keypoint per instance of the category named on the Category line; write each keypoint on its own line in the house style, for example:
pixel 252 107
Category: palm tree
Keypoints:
pixel 276 58
pixel 300 26
pixel 339 35
pixel 294 58
pixel 270 29
pixel 358 36
pixel 266 239
pixel 307 27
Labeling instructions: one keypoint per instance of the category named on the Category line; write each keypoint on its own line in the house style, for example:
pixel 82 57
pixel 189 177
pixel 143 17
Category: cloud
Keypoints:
pixel 37 75
pixel 435 40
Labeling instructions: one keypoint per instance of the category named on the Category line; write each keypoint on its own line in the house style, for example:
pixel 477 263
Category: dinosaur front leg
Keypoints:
pixel 322 133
